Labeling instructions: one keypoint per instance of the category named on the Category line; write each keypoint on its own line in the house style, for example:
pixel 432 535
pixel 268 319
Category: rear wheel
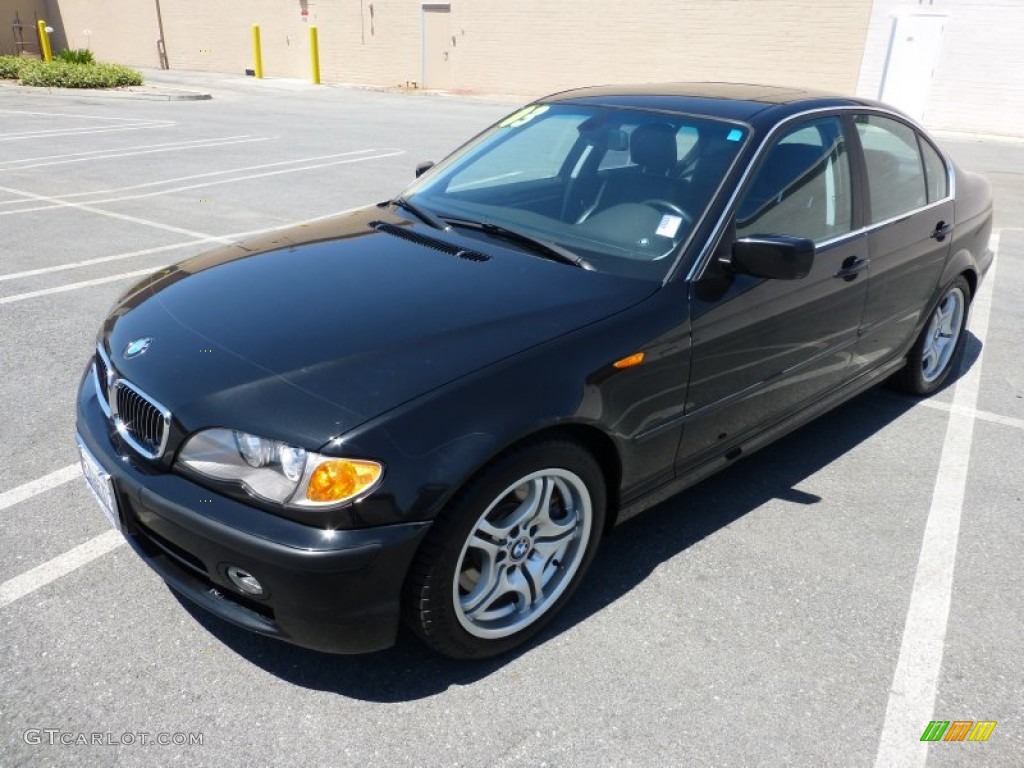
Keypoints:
pixel 939 349
pixel 509 551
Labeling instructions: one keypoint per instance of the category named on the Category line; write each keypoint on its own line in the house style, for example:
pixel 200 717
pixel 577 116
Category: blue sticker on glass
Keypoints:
pixel 734 135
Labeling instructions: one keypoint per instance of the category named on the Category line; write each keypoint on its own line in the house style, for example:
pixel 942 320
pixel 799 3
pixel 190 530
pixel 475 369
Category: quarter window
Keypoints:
pixel 896 178
pixel 935 169
pixel 801 187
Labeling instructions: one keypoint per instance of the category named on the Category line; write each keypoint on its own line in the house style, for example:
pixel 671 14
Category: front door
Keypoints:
pixel 764 348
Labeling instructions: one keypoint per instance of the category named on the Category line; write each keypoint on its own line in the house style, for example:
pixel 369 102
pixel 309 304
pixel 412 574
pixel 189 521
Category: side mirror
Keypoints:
pixel 423 167
pixel 776 257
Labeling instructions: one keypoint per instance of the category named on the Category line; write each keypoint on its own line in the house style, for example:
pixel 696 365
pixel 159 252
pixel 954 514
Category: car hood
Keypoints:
pixel 306 333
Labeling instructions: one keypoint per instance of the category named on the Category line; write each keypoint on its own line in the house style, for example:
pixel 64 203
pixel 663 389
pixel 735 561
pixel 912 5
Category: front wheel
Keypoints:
pixel 939 349
pixel 508 552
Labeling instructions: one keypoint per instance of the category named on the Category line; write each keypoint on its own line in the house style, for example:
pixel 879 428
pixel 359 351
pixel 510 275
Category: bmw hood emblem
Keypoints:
pixel 137 347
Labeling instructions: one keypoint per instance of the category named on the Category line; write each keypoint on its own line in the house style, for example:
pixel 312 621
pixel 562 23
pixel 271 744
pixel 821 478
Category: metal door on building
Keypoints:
pixel 914 47
pixel 437 43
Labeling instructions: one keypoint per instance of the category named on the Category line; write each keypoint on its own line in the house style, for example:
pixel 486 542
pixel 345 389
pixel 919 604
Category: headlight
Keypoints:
pixel 278 472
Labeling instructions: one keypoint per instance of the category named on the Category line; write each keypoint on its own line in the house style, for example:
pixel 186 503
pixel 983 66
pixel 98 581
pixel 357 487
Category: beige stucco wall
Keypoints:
pixel 28 11
pixel 523 47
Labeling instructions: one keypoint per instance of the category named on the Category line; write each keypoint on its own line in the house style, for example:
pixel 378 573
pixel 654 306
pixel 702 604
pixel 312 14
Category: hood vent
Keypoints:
pixel 429 242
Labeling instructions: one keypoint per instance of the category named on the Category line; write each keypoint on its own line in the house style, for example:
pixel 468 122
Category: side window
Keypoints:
pixel 935 170
pixel 895 176
pixel 801 187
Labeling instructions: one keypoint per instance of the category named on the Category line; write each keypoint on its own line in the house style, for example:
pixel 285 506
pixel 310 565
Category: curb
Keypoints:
pixel 156 94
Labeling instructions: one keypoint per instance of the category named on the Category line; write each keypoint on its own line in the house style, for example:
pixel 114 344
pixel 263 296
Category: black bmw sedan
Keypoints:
pixel 433 408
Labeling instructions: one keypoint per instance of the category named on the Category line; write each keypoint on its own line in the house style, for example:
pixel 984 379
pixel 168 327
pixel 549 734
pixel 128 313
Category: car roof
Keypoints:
pixel 737 101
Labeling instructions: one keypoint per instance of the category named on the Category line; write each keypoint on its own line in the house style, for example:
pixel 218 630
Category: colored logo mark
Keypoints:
pixel 958 730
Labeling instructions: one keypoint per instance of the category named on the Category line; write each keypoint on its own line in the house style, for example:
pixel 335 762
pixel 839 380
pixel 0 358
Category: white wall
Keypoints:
pixel 978 84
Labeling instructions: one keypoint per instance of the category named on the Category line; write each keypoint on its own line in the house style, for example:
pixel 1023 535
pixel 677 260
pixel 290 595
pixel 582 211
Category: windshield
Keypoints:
pixel 622 189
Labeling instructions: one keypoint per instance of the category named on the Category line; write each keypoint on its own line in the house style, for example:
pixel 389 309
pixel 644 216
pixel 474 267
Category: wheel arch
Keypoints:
pixel 593 439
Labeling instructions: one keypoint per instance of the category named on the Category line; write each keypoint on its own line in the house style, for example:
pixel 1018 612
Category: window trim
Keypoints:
pixel 703 259
pixel 855 202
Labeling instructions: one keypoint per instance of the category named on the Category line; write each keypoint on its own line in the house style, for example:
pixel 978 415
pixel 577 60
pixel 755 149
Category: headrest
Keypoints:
pixel 653 147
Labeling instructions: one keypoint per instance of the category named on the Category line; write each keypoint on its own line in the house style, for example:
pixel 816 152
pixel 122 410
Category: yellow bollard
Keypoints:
pixel 44 42
pixel 314 55
pixel 257 52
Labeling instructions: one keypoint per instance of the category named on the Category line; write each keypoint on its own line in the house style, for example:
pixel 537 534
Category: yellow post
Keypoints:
pixel 257 52
pixel 314 55
pixel 44 42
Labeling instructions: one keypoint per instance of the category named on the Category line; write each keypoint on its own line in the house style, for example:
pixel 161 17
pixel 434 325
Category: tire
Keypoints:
pixel 499 563
pixel 939 350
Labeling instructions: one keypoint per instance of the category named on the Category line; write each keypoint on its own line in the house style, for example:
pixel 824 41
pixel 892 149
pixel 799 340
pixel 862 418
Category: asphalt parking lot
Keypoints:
pixel 816 605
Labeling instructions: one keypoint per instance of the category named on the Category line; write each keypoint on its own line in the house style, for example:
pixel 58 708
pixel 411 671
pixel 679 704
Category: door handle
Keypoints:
pixel 941 230
pixel 851 267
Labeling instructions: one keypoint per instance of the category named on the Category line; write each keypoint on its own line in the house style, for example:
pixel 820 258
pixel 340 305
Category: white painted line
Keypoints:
pixel 61 565
pixel 207 175
pixel 994 418
pixel 111 214
pixel 124 149
pixel 82 129
pixel 75 286
pixel 79 132
pixel 111 154
pixel 39 485
pixel 912 695
pixel 233 237
pixel 104 259
pixel 60 202
pixel 83 117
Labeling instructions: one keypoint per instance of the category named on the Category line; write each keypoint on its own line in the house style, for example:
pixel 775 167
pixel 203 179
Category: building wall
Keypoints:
pixel 28 11
pixel 523 47
pixel 121 31
pixel 978 83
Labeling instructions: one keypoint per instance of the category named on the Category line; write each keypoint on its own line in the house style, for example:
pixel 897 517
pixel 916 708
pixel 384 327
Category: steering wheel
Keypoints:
pixel 665 205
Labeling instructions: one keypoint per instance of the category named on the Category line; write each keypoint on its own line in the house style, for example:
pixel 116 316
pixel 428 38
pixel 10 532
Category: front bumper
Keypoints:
pixel 335 591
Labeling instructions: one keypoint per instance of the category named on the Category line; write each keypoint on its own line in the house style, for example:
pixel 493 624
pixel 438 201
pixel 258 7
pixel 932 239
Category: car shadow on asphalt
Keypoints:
pixel 632 551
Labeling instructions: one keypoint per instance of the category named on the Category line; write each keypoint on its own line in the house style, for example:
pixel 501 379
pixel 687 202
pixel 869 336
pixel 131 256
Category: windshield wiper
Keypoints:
pixel 541 247
pixel 420 213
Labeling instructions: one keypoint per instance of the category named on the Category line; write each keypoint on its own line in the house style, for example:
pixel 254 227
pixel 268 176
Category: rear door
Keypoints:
pixel 763 348
pixel 910 221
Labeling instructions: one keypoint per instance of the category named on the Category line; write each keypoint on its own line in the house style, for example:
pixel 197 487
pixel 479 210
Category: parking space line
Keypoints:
pixel 79 131
pixel 39 485
pixel 62 565
pixel 108 118
pixel 994 418
pixel 122 216
pixel 233 237
pixel 124 149
pixel 58 202
pixel 912 695
pixel 75 286
pixel 102 260
pixel 110 154
pixel 206 175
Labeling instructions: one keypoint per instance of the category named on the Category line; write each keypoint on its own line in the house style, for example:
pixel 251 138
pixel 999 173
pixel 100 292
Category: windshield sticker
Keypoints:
pixel 734 135
pixel 669 225
pixel 523 116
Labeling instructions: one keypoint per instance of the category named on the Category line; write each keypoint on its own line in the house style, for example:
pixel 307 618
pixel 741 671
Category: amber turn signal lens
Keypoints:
pixel 629 361
pixel 339 479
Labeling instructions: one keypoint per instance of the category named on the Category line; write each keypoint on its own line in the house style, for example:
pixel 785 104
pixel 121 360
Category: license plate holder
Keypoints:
pixel 99 482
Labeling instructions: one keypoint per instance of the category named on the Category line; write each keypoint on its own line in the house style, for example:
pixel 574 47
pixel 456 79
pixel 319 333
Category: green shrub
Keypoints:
pixel 10 67
pixel 61 74
pixel 77 56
